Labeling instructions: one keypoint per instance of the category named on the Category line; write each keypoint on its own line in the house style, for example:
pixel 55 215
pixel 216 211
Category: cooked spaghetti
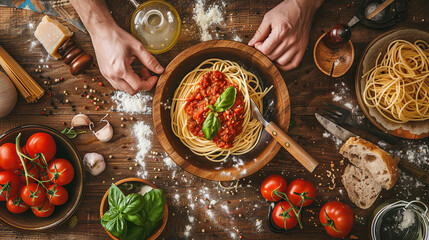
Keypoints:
pixel 238 132
pixel 398 85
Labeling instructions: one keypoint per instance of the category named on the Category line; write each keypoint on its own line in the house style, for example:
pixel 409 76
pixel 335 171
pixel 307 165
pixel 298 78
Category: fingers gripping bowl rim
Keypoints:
pixel 65 148
pixel 276 107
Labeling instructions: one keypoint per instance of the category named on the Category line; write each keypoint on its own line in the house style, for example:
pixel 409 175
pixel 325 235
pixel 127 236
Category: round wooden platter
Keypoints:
pixel 333 62
pixel 276 108
pixel 366 62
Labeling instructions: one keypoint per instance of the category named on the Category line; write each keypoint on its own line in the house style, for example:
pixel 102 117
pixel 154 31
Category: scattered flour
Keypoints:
pixel 338 142
pixel 143 133
pixel 137 104
pixel 237 38
pixel 205 19
pixel 258 225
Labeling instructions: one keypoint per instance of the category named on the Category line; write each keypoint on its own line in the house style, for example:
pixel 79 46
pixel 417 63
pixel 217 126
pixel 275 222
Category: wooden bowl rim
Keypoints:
pixel 402 133
pixel 76 204
pixel 325 71
pixel 284 119
pixel 156 233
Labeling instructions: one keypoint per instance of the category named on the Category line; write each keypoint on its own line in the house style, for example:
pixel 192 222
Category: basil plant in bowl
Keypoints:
pixel 133 216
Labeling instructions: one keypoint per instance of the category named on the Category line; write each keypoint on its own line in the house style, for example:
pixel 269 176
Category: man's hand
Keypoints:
pixel 116 49
pixel 284 31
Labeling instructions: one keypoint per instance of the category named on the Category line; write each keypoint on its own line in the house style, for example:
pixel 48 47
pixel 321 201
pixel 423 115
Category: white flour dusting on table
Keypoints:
pixel 205 18
pixel 140 103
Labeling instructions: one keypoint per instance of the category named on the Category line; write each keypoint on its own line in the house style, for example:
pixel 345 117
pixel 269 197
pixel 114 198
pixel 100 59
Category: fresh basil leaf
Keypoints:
pixel 133 203
pixel 154 203
pixel 135 233
pixel 110 214
pixel 71 133
pixel 116 198
pixel 226 100
pixel 211 107
pixel 137 219
pixel 117 226
pixel 211 126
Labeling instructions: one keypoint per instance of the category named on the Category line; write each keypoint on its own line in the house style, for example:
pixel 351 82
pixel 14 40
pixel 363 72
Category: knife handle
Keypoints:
pixel 292 147
pixel 415 171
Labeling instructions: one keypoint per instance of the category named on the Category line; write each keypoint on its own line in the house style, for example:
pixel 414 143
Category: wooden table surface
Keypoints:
pixel 189 196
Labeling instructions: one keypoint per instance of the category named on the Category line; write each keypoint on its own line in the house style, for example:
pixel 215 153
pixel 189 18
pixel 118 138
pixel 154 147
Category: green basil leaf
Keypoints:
pixel 71 133
pixel 137 219
pixel 211 126
pixel 154 203
pixel 136 233
pixel 116 198
pixel 117 226
pixel 226 100
pixel 133 203
pixel 110 214
pixel 211 107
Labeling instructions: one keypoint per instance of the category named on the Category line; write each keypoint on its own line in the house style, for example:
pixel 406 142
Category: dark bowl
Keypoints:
pixel 65 149
pixel 276 109
pixel 104 207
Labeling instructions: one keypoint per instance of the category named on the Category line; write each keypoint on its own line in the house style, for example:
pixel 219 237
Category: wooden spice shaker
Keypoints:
pixel 75 57
pixel 338 36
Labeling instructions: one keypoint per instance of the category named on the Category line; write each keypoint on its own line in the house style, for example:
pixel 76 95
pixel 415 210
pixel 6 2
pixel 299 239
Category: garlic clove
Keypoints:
pixel 94 163
pixel 106 133
pixel 80 120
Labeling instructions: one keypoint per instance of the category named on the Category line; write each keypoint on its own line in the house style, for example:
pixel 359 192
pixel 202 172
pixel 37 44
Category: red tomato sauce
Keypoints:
pixel 210 87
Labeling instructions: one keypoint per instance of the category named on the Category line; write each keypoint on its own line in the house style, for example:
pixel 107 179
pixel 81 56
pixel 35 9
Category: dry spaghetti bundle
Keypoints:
pixel 398 86
pixel 25 84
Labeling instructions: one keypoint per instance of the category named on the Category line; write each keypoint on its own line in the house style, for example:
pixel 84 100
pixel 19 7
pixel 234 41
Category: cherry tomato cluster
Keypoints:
pixel 336 217
pixel 31 176
pixel 300 193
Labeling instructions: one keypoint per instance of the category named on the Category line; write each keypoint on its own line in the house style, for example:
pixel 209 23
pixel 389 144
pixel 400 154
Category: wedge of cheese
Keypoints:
pixel 52 35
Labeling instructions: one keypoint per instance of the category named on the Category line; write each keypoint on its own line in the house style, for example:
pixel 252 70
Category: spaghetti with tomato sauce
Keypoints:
pixel 207 91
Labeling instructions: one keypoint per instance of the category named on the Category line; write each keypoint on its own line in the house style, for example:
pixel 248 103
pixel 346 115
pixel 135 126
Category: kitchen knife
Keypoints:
pixel 287 142
pixel 344 134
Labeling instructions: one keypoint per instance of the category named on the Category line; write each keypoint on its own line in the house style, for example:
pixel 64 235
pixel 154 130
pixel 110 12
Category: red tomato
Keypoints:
pixel 57 195
pixel 33 194
pixel 9 183
pixel 337 218
pixel 40 165
pixel 60 171
pixel 284 216
pixel 41 143
pixel 16 205
pixel 43 210
pixel 9 159
pixel 298 188
pixel 272 184
pixel 31 169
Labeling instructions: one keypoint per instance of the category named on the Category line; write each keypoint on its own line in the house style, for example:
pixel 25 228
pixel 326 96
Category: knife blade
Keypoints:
pixel 287 142
pixel 336 130
pixel 344 134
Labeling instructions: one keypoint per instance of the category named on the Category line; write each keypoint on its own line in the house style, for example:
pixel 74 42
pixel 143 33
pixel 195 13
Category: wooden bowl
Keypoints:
pixel 342 58
pixel 65 149
pixel 104 207
pixel 276 108
pixel 410 130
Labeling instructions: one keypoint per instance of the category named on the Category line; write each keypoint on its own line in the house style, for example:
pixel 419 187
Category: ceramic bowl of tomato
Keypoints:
pixel 31 207
pixel 132 184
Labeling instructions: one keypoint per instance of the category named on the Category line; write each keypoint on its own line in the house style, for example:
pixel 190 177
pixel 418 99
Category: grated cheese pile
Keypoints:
pixel 206 18
pixel 137 104
pixel 143 133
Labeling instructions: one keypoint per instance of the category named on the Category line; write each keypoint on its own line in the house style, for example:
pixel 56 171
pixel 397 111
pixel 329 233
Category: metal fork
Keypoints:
pixel 343 116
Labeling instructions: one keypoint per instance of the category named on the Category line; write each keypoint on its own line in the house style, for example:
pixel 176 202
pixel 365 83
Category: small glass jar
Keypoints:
pixel 156 24
pixel 400 220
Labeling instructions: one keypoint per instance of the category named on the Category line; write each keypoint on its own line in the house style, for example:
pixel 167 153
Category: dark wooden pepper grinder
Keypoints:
pixel 338 36
pixel 75 57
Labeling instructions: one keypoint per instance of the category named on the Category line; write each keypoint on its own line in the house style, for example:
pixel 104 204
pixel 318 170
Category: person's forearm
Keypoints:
pixel 314 4
pixel 94 14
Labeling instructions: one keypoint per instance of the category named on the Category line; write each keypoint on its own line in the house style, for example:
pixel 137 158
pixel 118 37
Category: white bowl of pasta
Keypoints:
pixel 202 115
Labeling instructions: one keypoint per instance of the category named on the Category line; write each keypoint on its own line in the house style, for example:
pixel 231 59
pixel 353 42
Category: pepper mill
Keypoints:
pixel 75 57
pixel 338 36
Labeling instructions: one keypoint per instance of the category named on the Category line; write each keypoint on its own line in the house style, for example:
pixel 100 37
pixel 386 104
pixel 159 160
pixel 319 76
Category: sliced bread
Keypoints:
pixel 360 186
pixel 367 156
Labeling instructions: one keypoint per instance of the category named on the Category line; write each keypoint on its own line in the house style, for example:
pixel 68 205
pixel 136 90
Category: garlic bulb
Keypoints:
pixel 94 163
pixel 8 95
